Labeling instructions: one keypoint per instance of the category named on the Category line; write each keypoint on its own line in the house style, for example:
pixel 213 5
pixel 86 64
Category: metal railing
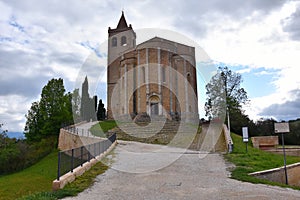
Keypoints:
pixel 77 131
pixel 70 159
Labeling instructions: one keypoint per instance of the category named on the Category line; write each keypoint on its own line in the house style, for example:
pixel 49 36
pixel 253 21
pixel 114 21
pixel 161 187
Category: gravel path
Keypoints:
pixel 193 175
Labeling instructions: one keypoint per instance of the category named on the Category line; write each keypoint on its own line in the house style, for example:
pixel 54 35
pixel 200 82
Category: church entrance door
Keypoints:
pixel 154 108
pixel 154 105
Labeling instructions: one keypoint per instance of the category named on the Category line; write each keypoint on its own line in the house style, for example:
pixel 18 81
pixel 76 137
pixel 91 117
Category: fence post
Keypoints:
pixel 89 153
pixel 58 167
pixel 95 150
pixel 72 160
pixel 99 148
pixel 81 155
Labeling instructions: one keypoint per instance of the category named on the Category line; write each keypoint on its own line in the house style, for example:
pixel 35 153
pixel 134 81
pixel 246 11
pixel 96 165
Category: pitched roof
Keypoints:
pixel 122 22
pixel 122 26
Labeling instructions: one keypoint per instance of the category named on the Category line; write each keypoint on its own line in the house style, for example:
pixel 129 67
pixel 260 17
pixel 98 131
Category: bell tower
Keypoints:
pixel 120 40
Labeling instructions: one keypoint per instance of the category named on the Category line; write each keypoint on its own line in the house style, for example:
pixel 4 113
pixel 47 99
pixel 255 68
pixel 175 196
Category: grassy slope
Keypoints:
pixel 36 181
pixel 36 178
pixel 254 160
pixel 102 127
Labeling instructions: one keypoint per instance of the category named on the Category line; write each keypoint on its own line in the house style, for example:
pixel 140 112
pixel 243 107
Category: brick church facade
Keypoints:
pixel 154 78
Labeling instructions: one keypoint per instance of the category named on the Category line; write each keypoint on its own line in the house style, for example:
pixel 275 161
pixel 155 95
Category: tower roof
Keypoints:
pixel 122 22
pixel 122 26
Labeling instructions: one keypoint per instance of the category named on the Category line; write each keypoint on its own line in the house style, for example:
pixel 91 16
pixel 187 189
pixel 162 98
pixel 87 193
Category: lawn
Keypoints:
pixel 254 160
pixel 35 182
pixel 36 178
pixel 102 127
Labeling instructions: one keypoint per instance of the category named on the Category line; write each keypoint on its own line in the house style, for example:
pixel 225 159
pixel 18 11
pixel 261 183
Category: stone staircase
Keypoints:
pixel 160 130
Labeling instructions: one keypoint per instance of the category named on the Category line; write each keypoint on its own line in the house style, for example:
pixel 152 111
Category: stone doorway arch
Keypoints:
pixel 154 105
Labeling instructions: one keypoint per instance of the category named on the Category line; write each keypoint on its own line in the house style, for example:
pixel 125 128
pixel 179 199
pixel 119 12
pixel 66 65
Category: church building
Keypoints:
pixel 154 78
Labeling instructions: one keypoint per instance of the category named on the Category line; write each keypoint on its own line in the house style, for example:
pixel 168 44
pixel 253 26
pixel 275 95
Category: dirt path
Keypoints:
pixel 193 175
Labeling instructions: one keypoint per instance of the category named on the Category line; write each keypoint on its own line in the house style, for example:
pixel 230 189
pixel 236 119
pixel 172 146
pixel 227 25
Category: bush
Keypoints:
pixel 16 155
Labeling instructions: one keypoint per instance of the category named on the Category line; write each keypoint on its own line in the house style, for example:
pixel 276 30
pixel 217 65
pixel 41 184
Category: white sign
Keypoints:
pixel 245 134
pixel 282 127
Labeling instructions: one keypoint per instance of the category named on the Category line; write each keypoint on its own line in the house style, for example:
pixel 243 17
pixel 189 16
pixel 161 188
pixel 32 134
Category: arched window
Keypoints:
pixel 114 42
pixel 123 41
pixel 188 77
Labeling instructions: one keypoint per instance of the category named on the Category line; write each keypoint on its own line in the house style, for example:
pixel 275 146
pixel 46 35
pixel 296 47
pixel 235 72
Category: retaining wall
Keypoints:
pixel 278 175
pixel 71 176
pixel 69 141
pixel 264 142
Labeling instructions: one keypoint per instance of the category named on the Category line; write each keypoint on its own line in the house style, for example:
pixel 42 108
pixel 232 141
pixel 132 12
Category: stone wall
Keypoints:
pixel 69 141
pixel 71 176
pixel 278 175
pixel 264 142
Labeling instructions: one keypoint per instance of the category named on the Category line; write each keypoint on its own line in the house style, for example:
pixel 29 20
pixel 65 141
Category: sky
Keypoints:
pixel 40 40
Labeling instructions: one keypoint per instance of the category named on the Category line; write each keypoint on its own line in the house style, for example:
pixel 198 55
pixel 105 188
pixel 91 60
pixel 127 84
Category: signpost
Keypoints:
pixel 282 128
pixel 245 137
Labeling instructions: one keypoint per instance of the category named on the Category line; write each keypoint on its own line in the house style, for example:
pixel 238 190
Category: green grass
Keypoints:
pixel 102 127
pixel 35 182
pixel 71 189
pixel 254 160
pixel 36 178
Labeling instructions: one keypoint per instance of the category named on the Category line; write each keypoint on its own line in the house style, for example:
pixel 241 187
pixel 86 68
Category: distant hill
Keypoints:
pixel 18 135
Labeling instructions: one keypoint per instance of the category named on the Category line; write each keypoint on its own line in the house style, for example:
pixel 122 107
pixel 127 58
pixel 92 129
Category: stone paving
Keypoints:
pixel 169 173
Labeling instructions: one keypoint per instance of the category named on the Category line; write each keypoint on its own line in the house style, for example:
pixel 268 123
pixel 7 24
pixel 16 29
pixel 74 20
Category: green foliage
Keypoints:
pixel 18 154
pixel 102 127
pixel 101 111
pixel 87 107
pixel 254 160
pixel 33 179
pixel 76 99
pixel 293 138
pixel 52 111
pixel 72 189
pixel 224 92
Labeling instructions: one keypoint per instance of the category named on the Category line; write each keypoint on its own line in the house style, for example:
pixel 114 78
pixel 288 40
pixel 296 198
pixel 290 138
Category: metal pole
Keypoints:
pixel 58 167
pixel 81 155
pixel 284 158
pixel 89 153
pixel 72 160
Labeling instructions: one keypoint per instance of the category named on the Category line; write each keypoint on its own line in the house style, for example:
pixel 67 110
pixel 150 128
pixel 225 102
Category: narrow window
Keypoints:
pixel 123 41
pixel 114 42
pixel 163 74
pixel 143 75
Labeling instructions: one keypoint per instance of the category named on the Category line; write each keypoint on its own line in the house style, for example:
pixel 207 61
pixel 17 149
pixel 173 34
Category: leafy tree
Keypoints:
pixel 76 99
pixel 33 123
pixel 225 95
pixel 87 107
pixel 101 111
pixel 54 109
pixel 3 137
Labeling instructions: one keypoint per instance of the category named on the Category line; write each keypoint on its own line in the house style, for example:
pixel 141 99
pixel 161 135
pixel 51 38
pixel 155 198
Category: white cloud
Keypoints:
pixel 41 39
